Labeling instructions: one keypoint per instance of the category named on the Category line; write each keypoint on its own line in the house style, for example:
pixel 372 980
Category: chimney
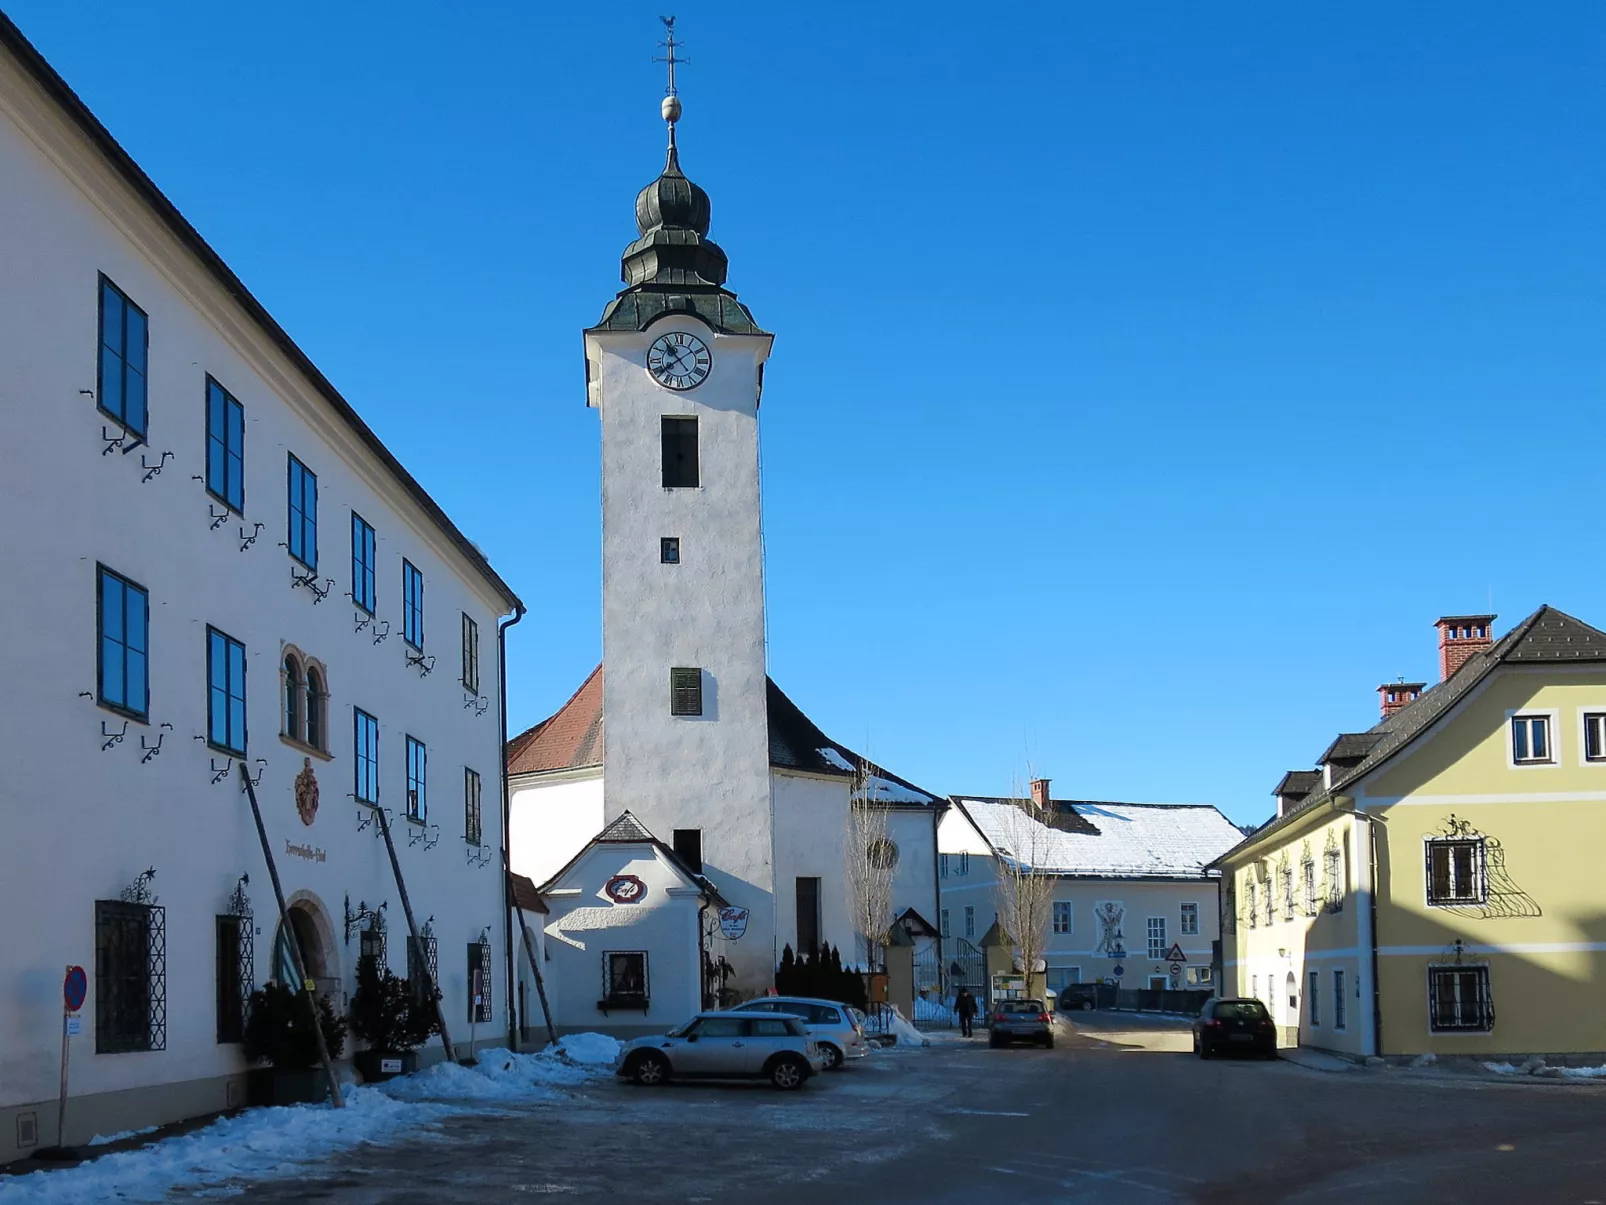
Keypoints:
pixel 1040 794
pixel 1460 637
pixel 1396 695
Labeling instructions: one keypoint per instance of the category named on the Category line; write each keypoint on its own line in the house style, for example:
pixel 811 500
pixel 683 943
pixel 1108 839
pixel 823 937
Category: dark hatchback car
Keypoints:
pixel 1020 1021
pixel 1233 1027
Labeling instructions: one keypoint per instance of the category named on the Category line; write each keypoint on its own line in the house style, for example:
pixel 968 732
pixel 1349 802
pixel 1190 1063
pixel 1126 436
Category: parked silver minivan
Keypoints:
pixel 828 1022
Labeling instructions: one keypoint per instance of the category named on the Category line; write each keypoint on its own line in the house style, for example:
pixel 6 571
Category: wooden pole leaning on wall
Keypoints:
pixel 412 927
pixel 540 986
pixel 305 987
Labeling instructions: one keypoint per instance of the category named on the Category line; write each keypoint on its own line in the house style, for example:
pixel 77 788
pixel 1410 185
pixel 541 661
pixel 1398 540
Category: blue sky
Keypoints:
pixel 1147 378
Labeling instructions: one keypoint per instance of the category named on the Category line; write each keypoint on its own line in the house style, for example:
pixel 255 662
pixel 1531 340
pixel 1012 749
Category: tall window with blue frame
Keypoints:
pixel 303 514
pixel 362 563
pixel 412 605
pixel 417 780
pixel 123 657
pixel 124 349
pixel 225 695
pixel 225 447
pixel 365 745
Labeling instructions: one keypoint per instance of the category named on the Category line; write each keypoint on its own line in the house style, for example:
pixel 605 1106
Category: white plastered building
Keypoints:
pixel 214 564
pixel 699 746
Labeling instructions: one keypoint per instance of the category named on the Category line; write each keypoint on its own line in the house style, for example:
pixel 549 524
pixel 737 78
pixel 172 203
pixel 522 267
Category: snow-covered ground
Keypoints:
pixel 1563 1072
pixel 263 1144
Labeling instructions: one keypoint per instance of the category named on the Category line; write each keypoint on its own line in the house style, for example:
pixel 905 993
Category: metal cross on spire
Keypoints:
pixel 671 104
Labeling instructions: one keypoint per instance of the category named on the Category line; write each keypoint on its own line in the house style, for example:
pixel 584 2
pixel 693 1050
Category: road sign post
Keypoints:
pixel 74 990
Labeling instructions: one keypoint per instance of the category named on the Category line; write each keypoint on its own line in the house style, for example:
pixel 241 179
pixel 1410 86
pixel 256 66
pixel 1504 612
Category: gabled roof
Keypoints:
pixel 572 740
pixel 1548 636
pixel 1126 840
pixel 122 163
pixel 1298 783
pixel 525 896
pixel 627 830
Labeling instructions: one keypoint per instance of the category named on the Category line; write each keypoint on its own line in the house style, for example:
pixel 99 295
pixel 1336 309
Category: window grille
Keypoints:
pixel 417 779
pixel 1308 872
pixel 1335 879
pixel 1229 915
pixel 624 979
pixel 1157 945
pixel 471 807
pixel 303 517
pixel 1313 998
pixel 1340 1000
pixel 479 980
pixel 225 703
pixel 225 447
pixel 362 563
pixel 1459 999
pixel 412 605
pixel 423 975
pixel 130 976
pixel 123 650
pixel 235 973
pixel 1288 892
pixel 471 655
pixel 124 353
pixel 1249 896
pixel 686 691
pixel 1455 871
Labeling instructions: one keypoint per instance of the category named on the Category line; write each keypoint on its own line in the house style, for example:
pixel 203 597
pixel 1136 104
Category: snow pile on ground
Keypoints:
pixel 502 1075
pixel 106 1139
pixel 1503 1068
pixel 1536 1066
pixel 592 1049
pixel 927 1009
pixel 257 1144
pixel 1582 1072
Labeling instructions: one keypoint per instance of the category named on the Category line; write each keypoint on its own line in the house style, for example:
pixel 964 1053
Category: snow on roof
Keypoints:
pixel 1159 840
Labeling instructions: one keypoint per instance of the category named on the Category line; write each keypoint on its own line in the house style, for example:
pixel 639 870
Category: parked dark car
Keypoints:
pixel 1077 996
pixel 1234 1026
pixel 1020 1021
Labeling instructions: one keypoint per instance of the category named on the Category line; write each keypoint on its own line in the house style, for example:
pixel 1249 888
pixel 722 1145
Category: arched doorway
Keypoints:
pixel 315 950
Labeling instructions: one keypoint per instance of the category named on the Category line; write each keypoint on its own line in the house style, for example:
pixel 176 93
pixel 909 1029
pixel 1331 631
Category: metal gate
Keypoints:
pixel 939 976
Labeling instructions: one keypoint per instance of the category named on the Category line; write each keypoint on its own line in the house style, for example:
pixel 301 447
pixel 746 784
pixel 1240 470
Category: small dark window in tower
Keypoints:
pixel 669 550
pixel 686 691
pixel 680 452
pixel 689 848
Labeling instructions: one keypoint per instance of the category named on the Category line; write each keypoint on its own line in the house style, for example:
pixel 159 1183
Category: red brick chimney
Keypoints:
pixel 1460 636
pixel 1396 695
pixel 1040 794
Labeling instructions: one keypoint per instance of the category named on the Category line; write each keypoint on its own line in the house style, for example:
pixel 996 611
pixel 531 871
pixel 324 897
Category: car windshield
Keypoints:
pixel 1020 1006
pixel 1240 1010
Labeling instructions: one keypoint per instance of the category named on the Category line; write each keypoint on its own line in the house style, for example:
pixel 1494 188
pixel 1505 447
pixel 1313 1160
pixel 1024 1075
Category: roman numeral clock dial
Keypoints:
pixel 679 361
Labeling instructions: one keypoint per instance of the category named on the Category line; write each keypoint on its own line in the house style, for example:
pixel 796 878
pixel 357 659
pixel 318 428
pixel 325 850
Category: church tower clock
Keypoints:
pixel 674 368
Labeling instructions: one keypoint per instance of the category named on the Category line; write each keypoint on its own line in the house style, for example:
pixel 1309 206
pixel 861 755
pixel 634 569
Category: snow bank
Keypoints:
pixel 105 1139
pixel 1582 1072
pixel 592 1049
pixel 504 1076
pixel 1503 1068
pixel 258 1144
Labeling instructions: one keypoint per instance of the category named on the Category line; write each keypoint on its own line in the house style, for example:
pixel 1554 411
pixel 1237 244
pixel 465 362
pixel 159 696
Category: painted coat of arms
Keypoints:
pixel 307 792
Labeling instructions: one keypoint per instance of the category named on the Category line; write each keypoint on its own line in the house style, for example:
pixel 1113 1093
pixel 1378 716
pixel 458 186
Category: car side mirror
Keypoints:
pixel 691 1037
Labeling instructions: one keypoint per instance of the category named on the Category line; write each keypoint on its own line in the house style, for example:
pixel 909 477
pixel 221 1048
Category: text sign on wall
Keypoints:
pixel 733 923
pixel 625 889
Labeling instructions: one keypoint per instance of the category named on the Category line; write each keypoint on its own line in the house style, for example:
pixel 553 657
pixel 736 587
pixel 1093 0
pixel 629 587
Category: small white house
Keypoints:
pixel 1133 904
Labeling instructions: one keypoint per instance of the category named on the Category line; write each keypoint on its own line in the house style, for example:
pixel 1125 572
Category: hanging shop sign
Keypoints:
pixel 625 889
pixel 733 923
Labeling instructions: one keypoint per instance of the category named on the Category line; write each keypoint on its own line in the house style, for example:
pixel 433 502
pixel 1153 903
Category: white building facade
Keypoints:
pixel 1133 902
pixel 220 568
pixel 698 744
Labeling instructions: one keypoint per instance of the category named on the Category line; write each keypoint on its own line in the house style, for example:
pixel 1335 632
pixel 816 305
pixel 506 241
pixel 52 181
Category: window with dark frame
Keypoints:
pixel 1530 739
pixel 130 977
pixel 232 985
pixel 1459 1000
pixel 970 920
pixel 686 691
pixel 412 605
pixel 1307 869
pixel 680 452
pixel 808 913
pixel 123 649
pixel 363 593
pixel 120 384
pixel 1594 736
pixel 624 979
pixel 1288 892
pixel 1313 998
pixel 1062 916
pixel 417 780
pixel 365 749
pixel 1340 1001
pixel 225 447
pixel 1335 880
pixel 471 655
pixel 1190 920
pixel 294 689
pixel 303 513
pixel 317 733
pixel 225 694
pixel 669 550
pixel 1156 934
pixel 471 807
pixel 1455 871
pixel 688 846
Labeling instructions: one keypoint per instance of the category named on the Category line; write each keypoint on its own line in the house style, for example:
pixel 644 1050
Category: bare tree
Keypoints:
pixel 1024 890
pixel 871 858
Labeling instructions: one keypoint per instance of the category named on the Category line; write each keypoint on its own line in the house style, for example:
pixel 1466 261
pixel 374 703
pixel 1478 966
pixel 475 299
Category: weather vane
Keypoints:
pixel 671 106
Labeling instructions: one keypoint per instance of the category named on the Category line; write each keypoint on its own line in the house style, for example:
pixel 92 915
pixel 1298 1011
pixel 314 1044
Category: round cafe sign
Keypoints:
pixel 625 889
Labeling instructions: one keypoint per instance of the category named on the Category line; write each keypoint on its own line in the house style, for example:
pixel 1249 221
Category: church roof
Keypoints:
pixel 572 740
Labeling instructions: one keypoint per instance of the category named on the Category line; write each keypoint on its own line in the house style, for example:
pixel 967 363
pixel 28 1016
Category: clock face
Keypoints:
pixel 679 361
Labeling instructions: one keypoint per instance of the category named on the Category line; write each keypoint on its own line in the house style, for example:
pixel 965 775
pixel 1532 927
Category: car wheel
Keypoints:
pixel 830 1056
pixel 788 1074
pixel 992 1042
pixel 1048 1042
pixel 651 1070
pixel 1202 1047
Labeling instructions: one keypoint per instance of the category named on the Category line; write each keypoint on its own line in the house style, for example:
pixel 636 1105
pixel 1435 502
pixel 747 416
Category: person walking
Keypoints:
pixel 965 1006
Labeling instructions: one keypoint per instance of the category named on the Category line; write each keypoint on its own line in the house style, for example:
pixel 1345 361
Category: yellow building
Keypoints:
pixel 1432 885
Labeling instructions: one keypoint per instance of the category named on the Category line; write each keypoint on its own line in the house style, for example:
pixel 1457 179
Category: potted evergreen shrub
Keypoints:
pixel 391 1018
pixel 278 1031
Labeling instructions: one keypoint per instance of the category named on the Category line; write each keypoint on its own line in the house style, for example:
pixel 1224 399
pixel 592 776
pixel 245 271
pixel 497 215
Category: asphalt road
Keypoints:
pixel 1118 1112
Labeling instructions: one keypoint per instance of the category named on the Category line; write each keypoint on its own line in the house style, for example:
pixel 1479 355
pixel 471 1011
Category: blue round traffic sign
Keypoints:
pixel 1119 971
pixel 75 988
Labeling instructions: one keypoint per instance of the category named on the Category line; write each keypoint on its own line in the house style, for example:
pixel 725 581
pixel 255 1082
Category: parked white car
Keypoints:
pixel 723 1045
pixel 829 1023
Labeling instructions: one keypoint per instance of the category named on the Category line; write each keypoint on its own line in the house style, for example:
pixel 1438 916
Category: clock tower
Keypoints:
pixel 674 368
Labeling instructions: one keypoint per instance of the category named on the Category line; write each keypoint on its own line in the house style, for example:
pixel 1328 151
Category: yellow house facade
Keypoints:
pixel 1431 886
